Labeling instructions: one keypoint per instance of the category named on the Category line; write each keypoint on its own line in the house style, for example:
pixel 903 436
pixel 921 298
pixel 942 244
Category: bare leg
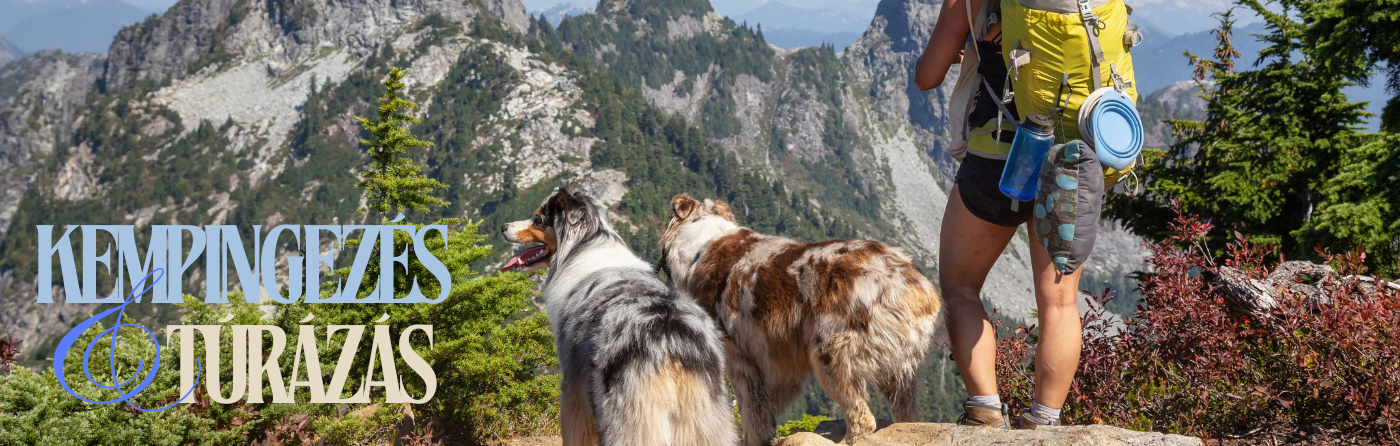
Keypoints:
pixel 1057 353
pixel 968 249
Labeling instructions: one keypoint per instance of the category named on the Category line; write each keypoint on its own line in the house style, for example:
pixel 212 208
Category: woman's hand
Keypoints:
pixel 945 43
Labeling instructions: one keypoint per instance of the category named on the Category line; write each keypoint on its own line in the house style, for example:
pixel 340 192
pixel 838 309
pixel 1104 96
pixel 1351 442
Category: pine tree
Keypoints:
pixel 1271 138
pixel 392 183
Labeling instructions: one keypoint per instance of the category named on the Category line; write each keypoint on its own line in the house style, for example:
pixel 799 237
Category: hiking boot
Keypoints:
pixel 1030 422
pixel 982 416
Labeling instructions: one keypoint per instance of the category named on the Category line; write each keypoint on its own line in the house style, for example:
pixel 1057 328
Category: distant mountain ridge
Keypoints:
pixel 8 51
pixel 790 26
pixel 557 12
pixel 774 15
pixel 69 25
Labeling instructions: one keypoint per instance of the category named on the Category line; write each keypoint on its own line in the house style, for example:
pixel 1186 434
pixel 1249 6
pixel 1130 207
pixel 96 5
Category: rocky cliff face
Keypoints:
pixel 280 35
pixel 39 98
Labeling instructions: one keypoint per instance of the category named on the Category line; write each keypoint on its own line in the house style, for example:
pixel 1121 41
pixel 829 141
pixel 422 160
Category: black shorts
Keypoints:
pixel 977 180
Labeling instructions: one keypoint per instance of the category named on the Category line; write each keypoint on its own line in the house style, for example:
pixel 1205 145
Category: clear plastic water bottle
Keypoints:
pixel 1033 139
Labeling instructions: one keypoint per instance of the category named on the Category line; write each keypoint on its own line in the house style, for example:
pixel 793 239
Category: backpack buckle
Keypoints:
pixel 1086 13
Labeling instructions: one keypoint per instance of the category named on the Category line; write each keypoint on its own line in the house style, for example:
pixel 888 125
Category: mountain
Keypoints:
pixel 8 51
pixel 1187 16
pixel 237 112
pixel 1158 62
pixel 1174 102
pixel 775 15
pixel 557 12
pixel 15 11
pixel 790 26
pixel 796 37
pixel 154 6
pixel 73 26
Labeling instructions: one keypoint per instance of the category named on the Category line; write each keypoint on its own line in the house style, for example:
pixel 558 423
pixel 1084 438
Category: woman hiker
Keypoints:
pixel 979 219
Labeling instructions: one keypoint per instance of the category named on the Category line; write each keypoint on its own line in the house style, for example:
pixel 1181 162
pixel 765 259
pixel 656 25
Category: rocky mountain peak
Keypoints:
pixel 281 34
pixel 886 54
pixel 908 23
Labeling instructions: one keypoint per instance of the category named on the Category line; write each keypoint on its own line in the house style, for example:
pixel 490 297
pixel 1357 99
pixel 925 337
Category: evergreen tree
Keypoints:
pixel 1270 140
pixel 393 183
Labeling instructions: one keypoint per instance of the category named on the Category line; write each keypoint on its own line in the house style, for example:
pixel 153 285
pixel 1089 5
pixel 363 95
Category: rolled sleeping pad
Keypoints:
pixel 1112 126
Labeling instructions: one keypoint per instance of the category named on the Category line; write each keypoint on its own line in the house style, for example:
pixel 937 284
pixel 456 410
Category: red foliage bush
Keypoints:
pixel 1189 364
pixel 9 352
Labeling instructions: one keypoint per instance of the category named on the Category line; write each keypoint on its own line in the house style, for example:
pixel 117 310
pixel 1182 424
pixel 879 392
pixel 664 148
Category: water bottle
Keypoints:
pixel 1033 139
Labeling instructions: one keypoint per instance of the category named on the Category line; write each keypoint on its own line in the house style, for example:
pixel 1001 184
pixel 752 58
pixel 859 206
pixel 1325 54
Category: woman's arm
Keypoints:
pixel 944 43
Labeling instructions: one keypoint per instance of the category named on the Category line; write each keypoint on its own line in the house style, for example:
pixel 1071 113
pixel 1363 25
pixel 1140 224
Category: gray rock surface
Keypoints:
pixel 941 434
pixel 938 434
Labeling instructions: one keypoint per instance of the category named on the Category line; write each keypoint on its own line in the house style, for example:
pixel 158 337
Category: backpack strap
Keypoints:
pixel 1091 28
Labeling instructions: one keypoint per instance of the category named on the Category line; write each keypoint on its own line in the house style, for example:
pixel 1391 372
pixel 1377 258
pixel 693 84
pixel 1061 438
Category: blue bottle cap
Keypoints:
pixel 1116 130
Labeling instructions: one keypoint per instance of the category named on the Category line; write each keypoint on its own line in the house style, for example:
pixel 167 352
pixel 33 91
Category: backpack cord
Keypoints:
pixel 1059 110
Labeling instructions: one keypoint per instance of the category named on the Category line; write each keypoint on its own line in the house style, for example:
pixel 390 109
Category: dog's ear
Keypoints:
pixel 683 206
pixel 719 208
pixel 574 207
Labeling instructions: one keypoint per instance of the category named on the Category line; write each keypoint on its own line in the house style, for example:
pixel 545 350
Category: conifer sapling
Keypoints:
pixel 393 183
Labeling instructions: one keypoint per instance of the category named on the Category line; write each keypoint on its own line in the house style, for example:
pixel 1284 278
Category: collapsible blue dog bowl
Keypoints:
pixel 1112 127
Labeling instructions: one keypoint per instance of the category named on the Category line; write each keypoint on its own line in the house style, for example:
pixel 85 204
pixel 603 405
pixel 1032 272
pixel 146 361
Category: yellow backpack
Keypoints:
pixel 1054 51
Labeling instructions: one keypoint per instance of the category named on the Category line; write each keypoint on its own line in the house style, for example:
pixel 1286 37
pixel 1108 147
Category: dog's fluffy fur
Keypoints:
pixel 851 312
pixel 641 364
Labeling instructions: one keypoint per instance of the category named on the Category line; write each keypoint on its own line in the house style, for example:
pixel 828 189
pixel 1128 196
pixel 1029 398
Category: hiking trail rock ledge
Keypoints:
pixel 939 434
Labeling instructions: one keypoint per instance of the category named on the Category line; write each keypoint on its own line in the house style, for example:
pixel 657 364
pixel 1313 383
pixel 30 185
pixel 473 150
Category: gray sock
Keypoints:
pixel 986 402
pixel 1046 414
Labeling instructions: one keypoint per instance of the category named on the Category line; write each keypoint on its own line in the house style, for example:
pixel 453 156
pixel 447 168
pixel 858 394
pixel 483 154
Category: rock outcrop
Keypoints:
pixel 941 434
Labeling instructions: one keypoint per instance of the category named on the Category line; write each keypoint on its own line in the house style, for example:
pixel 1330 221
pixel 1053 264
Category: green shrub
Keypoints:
pixel 808 423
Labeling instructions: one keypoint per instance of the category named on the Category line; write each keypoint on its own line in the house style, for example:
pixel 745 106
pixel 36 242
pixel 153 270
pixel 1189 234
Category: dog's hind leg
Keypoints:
pixel 576 422
pixel 783 389
pixel 756 408
pixel 835 372
pixel 901 388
